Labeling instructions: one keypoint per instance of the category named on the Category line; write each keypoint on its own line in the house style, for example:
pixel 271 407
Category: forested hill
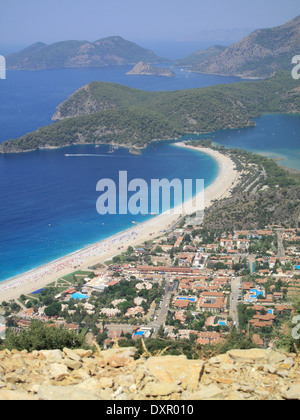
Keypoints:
pixel 109 113
pixel 113 50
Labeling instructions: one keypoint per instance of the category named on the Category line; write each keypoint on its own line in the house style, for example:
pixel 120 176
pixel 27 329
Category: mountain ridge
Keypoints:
pixel 113 50
pixel 259 54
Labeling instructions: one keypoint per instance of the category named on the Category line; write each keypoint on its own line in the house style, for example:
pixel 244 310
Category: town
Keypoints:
pixel 188 284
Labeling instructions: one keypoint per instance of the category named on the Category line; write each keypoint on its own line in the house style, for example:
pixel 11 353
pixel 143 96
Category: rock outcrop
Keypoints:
pixel 148 70
pixel 117 374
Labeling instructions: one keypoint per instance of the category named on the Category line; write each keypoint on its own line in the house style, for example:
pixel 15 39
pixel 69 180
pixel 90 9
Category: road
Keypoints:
pixel 162 313
pixel 235 290
pixel 281 250
pixel 176 223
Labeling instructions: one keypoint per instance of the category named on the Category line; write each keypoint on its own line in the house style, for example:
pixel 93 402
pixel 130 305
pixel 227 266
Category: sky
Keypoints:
pixel 23 22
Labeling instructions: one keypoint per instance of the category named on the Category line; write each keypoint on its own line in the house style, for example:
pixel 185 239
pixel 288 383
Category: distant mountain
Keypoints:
pixel 66 54
pixel 259 54
pixel 146 69
pixel 200 56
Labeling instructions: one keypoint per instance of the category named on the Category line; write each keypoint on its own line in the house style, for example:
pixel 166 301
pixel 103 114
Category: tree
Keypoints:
pixel 15 307
pixel 130 250
pixel 161 331
pixel 40 336
pixel 124 306
pixel 53 309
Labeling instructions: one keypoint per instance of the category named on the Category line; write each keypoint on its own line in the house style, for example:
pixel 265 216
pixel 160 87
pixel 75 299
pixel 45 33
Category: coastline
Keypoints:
pixel 281 159
pixel 108 248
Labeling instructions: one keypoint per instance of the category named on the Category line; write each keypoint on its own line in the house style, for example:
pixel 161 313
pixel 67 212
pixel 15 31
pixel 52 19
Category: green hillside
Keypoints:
pixel 109 113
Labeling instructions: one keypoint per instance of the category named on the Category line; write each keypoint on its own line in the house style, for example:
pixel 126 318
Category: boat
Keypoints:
pixel 113 149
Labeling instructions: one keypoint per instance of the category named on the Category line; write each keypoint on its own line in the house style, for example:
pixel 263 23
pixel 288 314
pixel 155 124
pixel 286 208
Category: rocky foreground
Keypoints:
pixel 116 375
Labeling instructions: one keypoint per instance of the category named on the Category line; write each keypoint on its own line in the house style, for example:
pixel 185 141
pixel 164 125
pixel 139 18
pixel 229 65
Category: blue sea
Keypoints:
pixel 48 200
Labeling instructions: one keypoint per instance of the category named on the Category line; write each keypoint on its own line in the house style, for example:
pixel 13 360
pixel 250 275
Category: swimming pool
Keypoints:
pixel 79 296
pixel 139 333
pixel 188 298
pixel 255 293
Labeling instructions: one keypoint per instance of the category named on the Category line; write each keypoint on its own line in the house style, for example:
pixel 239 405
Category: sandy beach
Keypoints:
pixel 114 245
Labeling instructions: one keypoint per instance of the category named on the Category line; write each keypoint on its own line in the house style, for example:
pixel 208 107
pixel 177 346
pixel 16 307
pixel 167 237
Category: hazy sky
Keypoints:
pixel 27 21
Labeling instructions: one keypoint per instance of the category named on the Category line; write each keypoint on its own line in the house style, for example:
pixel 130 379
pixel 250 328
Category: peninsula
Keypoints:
pixel 100 113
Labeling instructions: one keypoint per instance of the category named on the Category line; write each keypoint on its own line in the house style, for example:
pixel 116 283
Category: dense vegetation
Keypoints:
pixel 110 113
pixel 133 128
pixel 41 336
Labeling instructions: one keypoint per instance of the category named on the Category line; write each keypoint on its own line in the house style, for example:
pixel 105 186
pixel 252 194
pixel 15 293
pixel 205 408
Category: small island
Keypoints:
pixel 145 69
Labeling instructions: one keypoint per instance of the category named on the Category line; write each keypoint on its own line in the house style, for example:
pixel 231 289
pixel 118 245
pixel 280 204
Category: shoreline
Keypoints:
pixel 278 158
pixel 106 249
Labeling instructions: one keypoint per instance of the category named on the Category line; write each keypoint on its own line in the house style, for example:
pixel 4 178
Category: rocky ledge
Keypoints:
pixel 116 374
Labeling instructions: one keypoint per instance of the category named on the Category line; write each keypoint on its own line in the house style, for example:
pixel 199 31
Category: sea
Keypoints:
pixel 48 200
